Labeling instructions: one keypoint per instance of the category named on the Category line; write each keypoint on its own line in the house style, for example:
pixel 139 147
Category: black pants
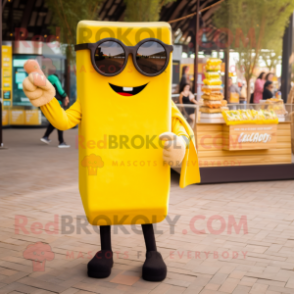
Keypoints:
pixel 50 129
pixel 148 233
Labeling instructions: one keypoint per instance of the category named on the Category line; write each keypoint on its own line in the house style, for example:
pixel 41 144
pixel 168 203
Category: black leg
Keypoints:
pixel 149 237
pixel 60 136
pixel 154 268
pixel 100 265
pixel 105 237
pixel 49 130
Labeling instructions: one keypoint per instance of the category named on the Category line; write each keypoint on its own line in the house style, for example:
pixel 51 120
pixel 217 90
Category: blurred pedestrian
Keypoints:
pixel 234 92
pixel 63 100
pixel 232 87
pixel 185 79
pixel 268 90
pixel 258 88
pixel 187 98
pixel 269 77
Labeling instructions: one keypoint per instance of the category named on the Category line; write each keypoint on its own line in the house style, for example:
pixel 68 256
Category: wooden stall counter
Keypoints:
pixel 244 152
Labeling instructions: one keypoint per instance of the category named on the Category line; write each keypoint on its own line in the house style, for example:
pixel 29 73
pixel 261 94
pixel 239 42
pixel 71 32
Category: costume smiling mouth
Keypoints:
pixel 127 91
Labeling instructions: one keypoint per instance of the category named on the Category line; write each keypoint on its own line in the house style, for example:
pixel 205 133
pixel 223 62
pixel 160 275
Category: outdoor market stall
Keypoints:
pixel 244 150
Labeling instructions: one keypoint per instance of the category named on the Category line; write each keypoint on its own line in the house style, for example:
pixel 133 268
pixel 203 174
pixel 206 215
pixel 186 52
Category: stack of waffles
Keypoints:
pixel 213 99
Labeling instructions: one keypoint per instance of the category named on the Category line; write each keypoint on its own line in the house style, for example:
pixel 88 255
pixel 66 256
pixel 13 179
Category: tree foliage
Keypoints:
pixel 253 25
pixel 67 14
pixel 272 57
pixel 144 10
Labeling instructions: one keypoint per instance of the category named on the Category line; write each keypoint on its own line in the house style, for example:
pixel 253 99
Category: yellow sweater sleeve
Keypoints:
pixel 62 119
pixel 178 128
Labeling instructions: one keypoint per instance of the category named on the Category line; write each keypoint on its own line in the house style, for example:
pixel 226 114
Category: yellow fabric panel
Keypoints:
pixel 190 173
pixel 178 128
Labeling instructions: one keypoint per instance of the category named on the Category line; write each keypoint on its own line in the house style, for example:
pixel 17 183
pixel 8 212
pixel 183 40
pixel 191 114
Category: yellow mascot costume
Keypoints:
pixel 130 132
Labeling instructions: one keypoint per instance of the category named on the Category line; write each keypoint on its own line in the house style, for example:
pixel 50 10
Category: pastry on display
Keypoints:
pixel 274 101
pixel 213 65
pixel 214 103
pixel 213 96
pixel 277 105
pixel 209 89
pixel 213 99
pixel 249 116
pixel 205 109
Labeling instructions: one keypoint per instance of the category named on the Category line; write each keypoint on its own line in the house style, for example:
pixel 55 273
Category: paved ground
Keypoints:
pixel 38 182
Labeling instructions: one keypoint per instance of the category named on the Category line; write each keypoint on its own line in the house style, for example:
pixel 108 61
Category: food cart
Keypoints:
pixel 242 152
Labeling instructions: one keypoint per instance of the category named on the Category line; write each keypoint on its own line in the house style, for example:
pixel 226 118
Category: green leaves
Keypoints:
pixel 144 10
pixel 258 25
pixel 67 14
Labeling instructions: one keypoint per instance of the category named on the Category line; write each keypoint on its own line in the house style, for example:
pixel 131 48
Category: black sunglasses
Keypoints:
pixel 109 56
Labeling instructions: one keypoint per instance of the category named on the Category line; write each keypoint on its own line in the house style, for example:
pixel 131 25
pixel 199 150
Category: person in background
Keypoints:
pixel 232 87
pixel 63 100
pixel 243 92
pixel 187 97
pixel 258 88
pixel 268 90
pixel 240 85
pixel 269 77
pixel 185 79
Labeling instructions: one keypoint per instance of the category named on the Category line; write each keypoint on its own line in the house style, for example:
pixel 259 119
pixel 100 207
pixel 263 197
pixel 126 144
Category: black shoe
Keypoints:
pixel 100 265
pixel 154 268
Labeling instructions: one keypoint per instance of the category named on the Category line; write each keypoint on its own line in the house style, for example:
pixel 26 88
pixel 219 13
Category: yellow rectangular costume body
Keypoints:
pixel 122 177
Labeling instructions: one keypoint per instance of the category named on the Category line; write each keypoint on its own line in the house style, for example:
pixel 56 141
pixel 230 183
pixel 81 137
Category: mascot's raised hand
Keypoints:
pixel 36 86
